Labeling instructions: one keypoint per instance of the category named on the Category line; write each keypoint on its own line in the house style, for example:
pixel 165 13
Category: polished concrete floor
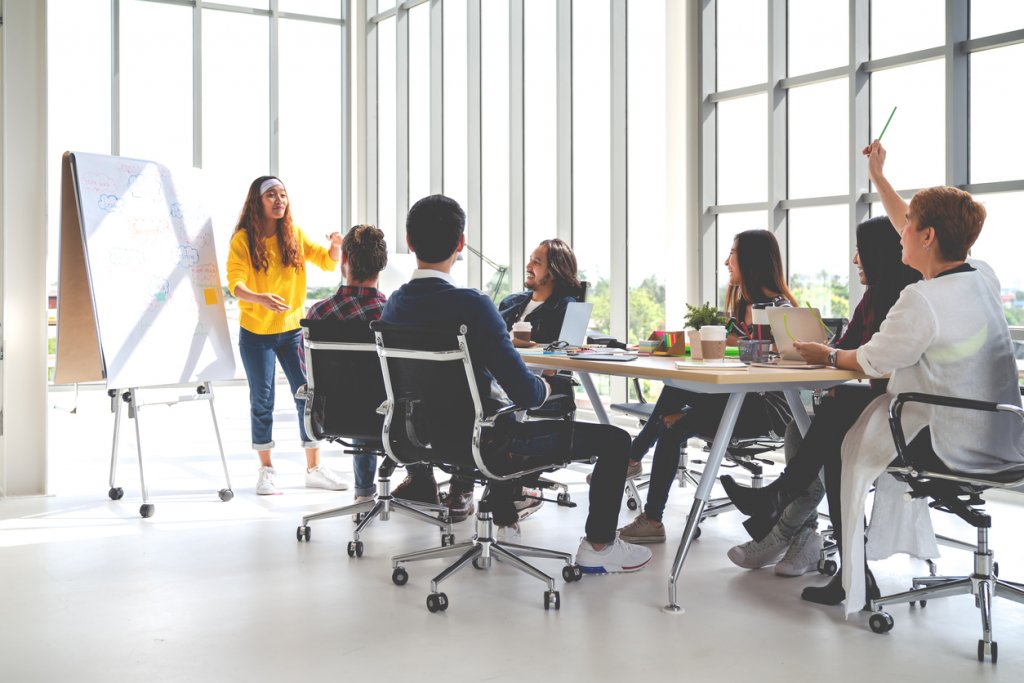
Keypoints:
pixel 213 591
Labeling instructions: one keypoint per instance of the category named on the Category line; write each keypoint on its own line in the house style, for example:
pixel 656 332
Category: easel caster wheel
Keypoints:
pixel 116 493
pixel 572 573
pixel 355 548
pixel 226 494
pixel 302 533
pixel 552 600
pixel 399 577
pixel 881 622
pixel 631 504
pixel 437 602
pixel 147 510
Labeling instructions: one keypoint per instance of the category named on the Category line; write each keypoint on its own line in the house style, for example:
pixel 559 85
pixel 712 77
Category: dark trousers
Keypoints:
pixel 822 447
pixel 583 441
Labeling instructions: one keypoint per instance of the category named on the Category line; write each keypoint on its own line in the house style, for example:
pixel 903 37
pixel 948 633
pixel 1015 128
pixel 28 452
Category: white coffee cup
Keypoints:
pixel 522 330
pixel 712 342
pixel 712 333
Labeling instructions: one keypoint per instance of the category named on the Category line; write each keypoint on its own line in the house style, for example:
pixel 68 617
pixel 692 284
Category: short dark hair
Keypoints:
pixel 366 250
pixel 953 214
pixel 434 226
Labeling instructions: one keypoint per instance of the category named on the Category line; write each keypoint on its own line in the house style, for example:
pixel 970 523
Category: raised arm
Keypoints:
pixel 895 206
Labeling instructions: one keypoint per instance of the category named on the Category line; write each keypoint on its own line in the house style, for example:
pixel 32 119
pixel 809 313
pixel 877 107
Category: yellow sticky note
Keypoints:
pixel 211 295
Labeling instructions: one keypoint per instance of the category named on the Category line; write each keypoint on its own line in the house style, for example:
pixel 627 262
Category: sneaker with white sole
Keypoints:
pixel 616 557
pixel 803 554
pixel 322 478
pixel 643 530
pixel 633 470
pixel 757 554
pixel 530 503
pixel 358 517
pixel 509 534
pixel 265 482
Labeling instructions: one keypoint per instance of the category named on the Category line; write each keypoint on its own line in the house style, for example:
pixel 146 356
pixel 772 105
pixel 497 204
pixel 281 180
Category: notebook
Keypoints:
pixel 575 322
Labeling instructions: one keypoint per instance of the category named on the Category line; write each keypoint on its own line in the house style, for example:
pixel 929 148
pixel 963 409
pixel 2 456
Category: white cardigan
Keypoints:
pixel 943 336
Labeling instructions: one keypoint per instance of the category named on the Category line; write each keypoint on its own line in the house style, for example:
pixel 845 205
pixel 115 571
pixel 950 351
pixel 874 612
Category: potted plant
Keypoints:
pixel 696 318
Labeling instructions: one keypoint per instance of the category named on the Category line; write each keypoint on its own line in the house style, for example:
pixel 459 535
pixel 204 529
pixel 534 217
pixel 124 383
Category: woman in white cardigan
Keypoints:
pixel 945 335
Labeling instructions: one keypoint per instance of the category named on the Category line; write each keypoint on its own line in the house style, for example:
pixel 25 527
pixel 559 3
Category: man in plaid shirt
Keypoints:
pixel 364 254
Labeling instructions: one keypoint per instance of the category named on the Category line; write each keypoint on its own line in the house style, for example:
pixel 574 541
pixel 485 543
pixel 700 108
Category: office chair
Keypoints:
pixel 957 493
pixel 343 391
pixel 434 414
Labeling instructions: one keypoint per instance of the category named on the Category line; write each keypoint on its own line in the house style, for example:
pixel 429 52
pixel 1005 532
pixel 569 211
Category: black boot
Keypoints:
pixel 833 593
pixel 764 506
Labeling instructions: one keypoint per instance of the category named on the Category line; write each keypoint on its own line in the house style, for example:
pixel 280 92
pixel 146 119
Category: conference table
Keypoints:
pixel 736 383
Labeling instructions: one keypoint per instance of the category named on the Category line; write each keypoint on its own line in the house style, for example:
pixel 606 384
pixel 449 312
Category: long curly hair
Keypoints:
pixel 562 264
pixel 251 220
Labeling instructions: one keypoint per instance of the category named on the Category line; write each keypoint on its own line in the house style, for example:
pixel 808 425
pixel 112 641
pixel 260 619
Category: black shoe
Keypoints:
pixel 833 593
pixel 460 501
pixel 764 506
pixel 418 489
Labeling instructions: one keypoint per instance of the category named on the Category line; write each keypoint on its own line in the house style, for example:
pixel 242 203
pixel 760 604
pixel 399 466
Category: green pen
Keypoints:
pixel 886 123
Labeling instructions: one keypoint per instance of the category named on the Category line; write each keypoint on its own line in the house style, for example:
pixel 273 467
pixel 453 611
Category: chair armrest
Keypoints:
pixel 896 412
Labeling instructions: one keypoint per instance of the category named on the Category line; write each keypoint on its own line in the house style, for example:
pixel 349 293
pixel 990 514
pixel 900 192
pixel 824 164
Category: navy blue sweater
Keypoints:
pixel 426 301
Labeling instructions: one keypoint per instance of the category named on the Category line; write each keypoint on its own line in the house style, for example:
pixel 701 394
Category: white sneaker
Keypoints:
pixel 530 503
pixel 757 554
pixel 803 554
pixel 322 478
pixel 509 534
pixel 358 517
pixel 618 556
pixel 265 482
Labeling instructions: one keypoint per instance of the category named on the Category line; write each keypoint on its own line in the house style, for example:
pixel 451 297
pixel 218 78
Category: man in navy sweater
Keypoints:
pixel 434 231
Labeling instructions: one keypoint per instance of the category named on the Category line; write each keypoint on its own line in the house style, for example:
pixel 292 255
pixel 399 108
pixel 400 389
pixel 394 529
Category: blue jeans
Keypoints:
pixel 258 352
pixel 364 466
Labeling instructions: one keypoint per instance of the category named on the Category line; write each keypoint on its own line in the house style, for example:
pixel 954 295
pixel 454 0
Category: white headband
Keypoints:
pixel 269 183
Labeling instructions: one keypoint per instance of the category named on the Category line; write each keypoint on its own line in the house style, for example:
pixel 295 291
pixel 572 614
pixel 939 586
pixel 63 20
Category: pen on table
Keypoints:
pixel 886 124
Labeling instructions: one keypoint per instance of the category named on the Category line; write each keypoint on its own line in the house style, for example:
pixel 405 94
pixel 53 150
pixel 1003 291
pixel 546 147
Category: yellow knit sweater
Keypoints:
pixel 285 281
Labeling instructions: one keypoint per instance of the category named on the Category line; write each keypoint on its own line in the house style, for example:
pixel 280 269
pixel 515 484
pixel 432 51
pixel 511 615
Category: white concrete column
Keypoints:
pixel 23 247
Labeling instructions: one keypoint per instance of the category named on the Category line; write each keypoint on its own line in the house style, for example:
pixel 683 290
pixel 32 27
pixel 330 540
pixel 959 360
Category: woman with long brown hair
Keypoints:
pixel 266 272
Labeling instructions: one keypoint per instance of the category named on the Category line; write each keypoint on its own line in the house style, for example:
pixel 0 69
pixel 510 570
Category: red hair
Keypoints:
pixel 251 220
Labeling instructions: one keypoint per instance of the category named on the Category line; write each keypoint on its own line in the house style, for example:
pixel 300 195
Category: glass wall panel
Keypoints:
pixel 743 150
pixel 78 97
pixel 419 102
pixel 310 130
pixel 819 258
pixel 236 113
pixel 997 132
pixel 742 32
pixel 540 136
pixel 156 82
pixel 819 35
pixel 729 225
pixel 915 138
pixel 495 148
pixel 906 26
pixel 989 17
pixel 591 121
pixel 1001 245
pixel 456 103
pixel 388 219
pixel 819 117
pixel 315 8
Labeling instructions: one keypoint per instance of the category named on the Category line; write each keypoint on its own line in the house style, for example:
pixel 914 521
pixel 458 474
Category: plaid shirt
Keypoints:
pixel 349 303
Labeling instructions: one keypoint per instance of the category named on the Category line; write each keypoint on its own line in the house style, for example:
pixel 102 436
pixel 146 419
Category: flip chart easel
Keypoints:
pixel 139 301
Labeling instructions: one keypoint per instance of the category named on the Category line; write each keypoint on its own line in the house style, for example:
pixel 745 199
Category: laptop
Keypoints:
pixel 793 324
pixel 575 323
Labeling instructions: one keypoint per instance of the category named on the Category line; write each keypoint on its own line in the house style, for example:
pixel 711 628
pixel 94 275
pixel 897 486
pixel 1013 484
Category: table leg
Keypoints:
pixel 796 406
pixel 595 400
pixel 700 499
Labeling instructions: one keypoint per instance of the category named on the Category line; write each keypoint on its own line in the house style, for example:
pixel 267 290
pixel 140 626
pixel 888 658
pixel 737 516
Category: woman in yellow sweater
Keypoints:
pixel 266 272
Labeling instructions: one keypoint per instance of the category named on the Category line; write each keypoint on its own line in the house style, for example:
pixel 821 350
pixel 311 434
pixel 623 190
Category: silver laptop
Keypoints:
pixel 795 324
pixel 575 323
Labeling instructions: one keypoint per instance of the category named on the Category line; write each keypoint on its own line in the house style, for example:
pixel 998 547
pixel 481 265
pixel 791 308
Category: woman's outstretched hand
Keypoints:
pixel 273 302
pixel 876 160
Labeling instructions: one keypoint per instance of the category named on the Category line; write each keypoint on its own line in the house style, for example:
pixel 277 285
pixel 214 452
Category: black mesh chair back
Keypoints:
pixel 344 382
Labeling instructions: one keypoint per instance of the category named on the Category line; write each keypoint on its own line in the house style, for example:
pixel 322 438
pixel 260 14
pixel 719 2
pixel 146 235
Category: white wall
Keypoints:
pixel 23 247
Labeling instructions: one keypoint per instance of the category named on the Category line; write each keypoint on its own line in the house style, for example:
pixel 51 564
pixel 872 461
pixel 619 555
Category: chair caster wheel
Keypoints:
pixel 552 600
pixel 572 573
pixel 116 493
pixel 993 651
pixel 226 494
pixel 399 576
pixel 447 540
pixel 481 563
pixel 355 548
pixel 881 622
pixel 563 498
pixel 828 567
pixel 437 602
pixel 696 533
pixel 147 510
pixel 631 504
pixel 302 533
